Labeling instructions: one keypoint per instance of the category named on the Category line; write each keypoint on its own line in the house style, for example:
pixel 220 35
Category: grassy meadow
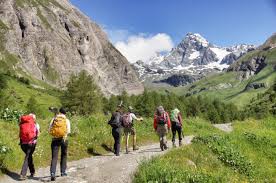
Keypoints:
pixel 248 154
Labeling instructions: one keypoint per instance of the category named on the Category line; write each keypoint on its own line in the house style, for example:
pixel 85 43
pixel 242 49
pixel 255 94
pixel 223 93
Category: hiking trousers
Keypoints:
pixel 63 144
pixel 28 149
pixel 116 133
pixel 162 131
pixel 176 128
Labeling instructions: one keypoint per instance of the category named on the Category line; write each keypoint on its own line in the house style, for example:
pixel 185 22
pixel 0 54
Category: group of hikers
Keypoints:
pixel 59 128
pixel 163 122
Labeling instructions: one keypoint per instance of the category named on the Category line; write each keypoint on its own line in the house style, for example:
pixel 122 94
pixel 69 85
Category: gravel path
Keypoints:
pixel 227 127
pixel 99 169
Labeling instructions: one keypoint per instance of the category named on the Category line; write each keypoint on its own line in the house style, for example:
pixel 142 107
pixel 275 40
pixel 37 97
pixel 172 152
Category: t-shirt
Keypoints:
pixel 132 116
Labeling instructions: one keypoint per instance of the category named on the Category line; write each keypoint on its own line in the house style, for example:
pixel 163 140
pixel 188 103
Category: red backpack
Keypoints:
pixel 127 122
pixel 27 129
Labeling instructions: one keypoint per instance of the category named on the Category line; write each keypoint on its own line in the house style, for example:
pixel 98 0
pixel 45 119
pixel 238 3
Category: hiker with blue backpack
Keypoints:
pixel 28 134
pixel 129 129
pixel 59 129
pixel 176 120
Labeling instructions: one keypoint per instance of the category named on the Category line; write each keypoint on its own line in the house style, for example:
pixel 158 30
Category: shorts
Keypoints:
pixel 130 130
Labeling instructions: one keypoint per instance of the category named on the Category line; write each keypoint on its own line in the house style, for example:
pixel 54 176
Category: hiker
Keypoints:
pixel 59 129
pixel 161 125
pixel 116 123
pixel 128 123
pixel 29 132
pixel 176 120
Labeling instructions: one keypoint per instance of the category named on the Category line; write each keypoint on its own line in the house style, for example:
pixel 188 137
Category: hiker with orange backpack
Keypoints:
pixel 162 125
pixel 29 131
pixel 128 123
pixel 59 129
pixel 176 120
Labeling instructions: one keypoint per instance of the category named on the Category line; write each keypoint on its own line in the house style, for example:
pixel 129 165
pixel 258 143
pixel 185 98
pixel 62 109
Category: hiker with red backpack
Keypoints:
pixel 162 125
pixel 29 131
pixel 59 129
pixel 128 123
pixel 176 120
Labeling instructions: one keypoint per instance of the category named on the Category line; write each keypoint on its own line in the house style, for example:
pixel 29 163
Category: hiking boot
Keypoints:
pixel 162 147
pixel 63 174
pixel 165 147
pixel 135 148
pixel 22 177
pixel 32 175
pixel 53 177
pixel 180 143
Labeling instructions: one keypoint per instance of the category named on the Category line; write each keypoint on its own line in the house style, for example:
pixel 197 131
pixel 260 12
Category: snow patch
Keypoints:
pixel 217 65
pixel 221 53
pixel 194 55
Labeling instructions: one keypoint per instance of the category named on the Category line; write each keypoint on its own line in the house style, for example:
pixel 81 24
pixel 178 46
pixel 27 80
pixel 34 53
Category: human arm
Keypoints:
pixel 169 121
pixel 155 122
pixel 68 126
pixel 50 126
pixel 180 118
pixel 133 116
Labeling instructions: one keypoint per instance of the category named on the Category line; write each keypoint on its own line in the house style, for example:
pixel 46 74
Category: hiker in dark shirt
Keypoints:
pixel 116 123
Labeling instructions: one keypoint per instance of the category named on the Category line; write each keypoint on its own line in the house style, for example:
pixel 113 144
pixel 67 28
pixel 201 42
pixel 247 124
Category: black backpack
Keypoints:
pixel 116 120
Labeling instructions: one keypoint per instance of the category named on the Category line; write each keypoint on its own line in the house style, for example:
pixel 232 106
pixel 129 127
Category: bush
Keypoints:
pixel 4 150
pixel 11 115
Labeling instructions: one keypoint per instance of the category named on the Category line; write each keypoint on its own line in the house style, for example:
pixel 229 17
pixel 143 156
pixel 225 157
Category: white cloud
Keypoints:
pixel 143 47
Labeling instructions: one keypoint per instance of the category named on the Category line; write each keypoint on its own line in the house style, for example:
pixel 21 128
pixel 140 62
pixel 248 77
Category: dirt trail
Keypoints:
pixel 99 169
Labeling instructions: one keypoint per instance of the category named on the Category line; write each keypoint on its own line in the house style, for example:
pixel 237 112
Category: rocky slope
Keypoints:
pixel 194 56
pixel 52 39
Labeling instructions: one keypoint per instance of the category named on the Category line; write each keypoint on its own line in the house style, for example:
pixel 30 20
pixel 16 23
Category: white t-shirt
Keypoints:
pixel 132 116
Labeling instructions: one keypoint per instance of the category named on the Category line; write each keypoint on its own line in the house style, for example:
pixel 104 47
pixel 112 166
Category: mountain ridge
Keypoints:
pixel 193 56
pixel 53 39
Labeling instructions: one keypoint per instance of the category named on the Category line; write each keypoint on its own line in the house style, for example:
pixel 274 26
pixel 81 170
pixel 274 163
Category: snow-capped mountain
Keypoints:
pixel 193 56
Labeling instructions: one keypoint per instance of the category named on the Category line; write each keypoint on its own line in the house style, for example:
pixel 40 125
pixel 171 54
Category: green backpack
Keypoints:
pixel 174 115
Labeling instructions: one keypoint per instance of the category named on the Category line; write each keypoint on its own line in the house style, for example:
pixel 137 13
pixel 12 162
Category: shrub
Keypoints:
pixel 11 115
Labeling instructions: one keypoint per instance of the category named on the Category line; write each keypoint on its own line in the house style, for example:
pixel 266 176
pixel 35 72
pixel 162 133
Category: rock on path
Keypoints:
pixel 100 169
pixel 227 127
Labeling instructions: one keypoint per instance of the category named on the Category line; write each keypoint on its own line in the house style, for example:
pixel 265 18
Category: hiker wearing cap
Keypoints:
pixel 59 129
pixel 176 120
pixel 29 131
pixel 162 125
pixel 129 129
pixel 116 123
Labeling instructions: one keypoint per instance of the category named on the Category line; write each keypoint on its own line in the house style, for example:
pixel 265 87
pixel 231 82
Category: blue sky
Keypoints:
pixel 222 22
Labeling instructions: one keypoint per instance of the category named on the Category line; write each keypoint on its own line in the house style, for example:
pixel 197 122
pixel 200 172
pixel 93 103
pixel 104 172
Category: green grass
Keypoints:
pixel 248 154
pixel 236 93
pixel 43 19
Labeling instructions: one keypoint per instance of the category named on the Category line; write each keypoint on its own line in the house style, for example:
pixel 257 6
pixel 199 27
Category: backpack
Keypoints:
pixel 59 127
pixel 127 121
pixel 115 121
pixel 174 116
pixel 27 129
pixel 162 119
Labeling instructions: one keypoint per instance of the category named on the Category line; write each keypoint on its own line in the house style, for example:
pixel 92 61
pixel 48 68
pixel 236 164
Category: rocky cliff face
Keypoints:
pixel 53 40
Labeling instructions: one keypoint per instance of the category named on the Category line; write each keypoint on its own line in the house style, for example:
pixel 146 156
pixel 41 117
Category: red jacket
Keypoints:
pixel 155 122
